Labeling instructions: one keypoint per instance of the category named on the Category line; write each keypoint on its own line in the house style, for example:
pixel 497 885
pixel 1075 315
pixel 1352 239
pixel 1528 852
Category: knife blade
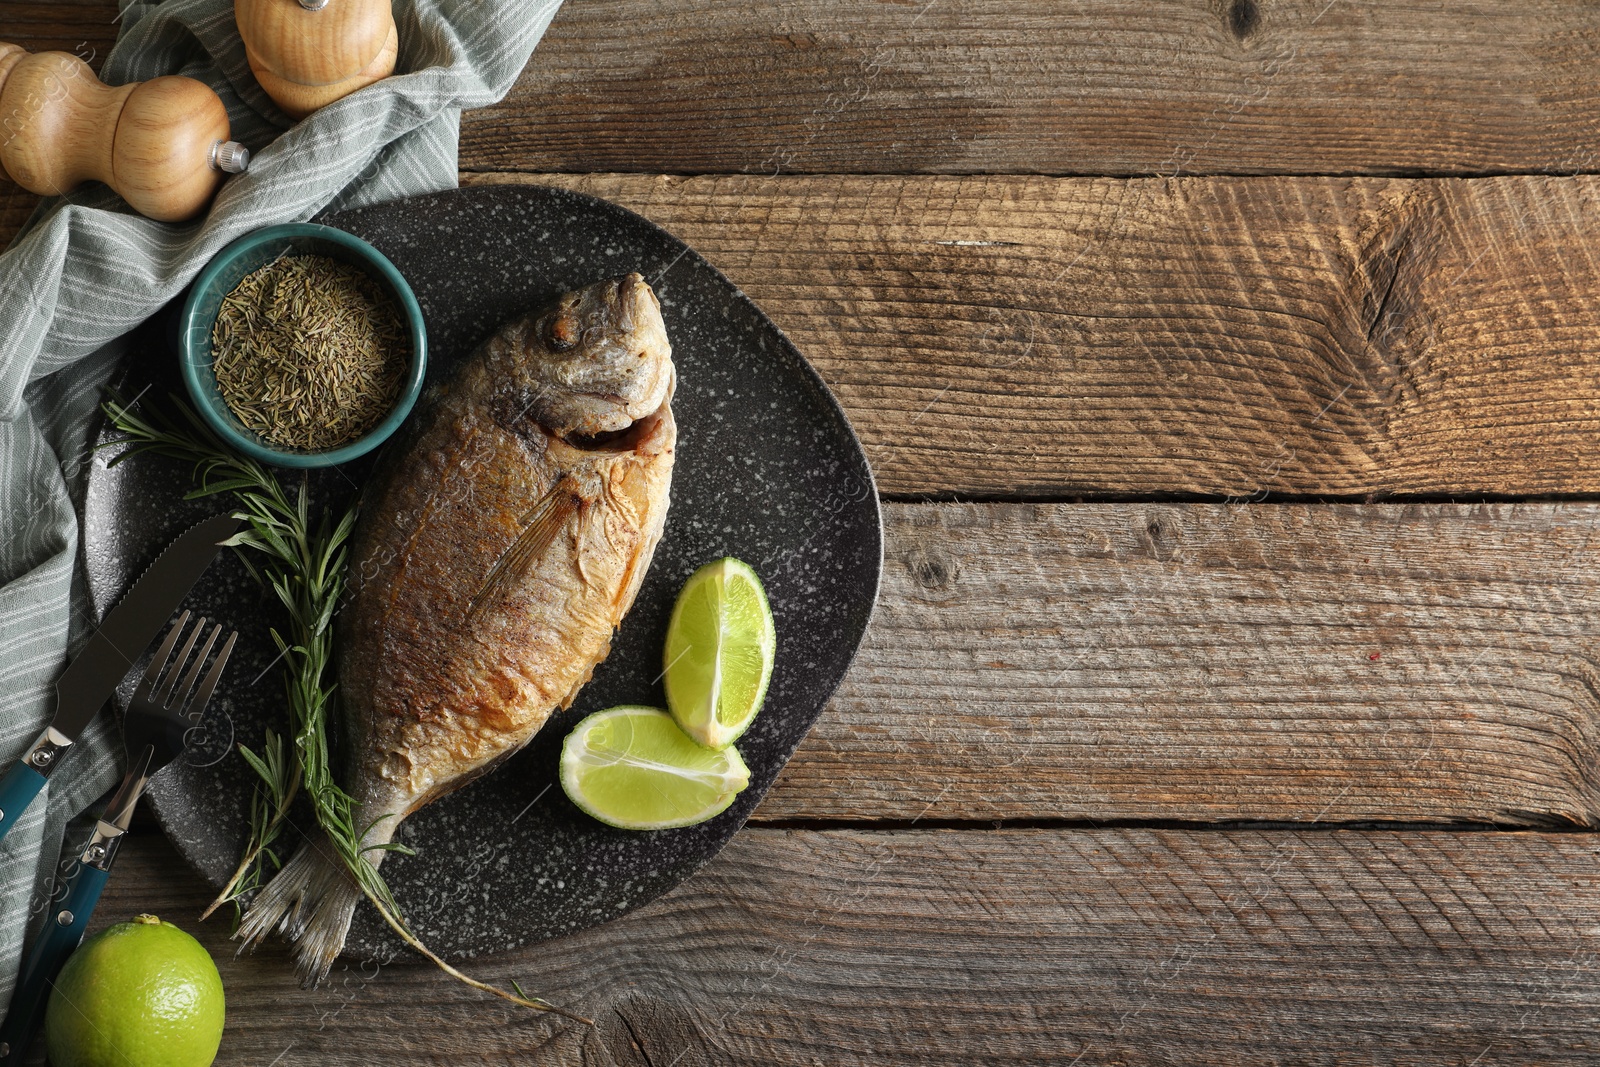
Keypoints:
pixel 110 654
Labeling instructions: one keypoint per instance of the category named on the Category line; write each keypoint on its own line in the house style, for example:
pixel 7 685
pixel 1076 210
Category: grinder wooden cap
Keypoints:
pixel 322 46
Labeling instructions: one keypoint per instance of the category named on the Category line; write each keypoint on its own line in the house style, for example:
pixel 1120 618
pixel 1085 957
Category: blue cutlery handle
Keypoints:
pixel 17 790
pixel 63 929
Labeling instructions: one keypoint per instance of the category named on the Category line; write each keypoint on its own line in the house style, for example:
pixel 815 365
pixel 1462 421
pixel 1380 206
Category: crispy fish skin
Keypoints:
pixel 498 550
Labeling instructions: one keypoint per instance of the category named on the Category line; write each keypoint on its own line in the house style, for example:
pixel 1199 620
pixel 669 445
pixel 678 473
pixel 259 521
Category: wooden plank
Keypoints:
pixel 1126 87
pixel 86 28
pixel 995 86
pixel 1227 336
pixel 1211 662
pixel 1124 947
pixel 16 204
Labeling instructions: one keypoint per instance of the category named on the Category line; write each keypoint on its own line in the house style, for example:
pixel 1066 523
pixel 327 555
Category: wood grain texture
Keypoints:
pixel 1222 336
pixel 1126 947
pixel 298 100
pixel 999 86
pixel 151 142
pixel 1209 662
pixel 305 60
pixel 86 28
pixel 16 204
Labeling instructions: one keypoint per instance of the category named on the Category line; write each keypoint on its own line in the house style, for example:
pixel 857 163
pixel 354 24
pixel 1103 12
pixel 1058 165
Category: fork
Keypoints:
pixel 166 706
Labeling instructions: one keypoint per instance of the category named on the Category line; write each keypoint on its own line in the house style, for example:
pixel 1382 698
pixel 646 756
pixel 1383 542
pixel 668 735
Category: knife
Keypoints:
pixel 156 730
pixel 110 654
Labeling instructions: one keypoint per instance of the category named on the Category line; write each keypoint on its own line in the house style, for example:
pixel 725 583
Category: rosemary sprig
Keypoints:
pixel 305 568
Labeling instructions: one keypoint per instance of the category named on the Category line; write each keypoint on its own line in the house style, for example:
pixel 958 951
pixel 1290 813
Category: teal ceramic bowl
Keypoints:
pixel 226 271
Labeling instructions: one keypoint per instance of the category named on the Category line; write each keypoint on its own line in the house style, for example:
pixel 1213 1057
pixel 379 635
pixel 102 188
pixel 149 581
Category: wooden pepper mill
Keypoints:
pixel 308 53
pixel 162 145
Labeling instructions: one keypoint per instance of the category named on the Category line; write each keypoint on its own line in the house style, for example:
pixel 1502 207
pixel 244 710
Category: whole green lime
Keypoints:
pixel 141 992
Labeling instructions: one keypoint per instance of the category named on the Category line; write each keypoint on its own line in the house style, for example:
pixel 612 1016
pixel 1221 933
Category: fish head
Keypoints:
pixel 598 360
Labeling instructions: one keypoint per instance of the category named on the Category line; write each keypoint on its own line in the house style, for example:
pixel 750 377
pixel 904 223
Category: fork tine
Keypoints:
pixel 147 684
pixel 180 696
pixel 170 681
pixel 202 696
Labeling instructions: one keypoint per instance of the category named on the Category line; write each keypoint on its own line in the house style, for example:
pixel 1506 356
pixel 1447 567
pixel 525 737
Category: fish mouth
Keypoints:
pixel 634 299
pixel 628 439
pixel 637 435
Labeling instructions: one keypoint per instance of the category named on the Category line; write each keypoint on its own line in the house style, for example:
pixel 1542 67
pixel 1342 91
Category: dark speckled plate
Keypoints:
pixel 768 470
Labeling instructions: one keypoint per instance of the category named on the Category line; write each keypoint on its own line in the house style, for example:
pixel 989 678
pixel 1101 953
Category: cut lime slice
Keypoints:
pixel 632 768
pixel 720 646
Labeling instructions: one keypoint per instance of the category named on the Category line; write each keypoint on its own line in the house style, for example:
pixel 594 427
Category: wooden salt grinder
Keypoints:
pixel 162 145
pixel 308 53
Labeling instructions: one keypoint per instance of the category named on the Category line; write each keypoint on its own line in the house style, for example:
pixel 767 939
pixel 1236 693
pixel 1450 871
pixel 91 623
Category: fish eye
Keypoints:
pixel 561 331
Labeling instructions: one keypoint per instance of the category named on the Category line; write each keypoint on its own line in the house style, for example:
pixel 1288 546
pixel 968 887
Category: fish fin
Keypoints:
pixel 540 527
pixel 310 902
pixel 586 535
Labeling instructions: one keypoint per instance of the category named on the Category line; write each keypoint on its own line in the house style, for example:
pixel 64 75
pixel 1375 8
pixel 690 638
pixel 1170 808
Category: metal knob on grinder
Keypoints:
pixel 162 145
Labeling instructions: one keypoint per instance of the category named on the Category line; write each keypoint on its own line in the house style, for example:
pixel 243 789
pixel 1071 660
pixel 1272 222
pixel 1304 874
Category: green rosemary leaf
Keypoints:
pixel 258 764
pixel 223 486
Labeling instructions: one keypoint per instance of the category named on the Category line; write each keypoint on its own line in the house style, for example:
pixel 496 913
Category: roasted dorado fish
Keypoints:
pixel 497 551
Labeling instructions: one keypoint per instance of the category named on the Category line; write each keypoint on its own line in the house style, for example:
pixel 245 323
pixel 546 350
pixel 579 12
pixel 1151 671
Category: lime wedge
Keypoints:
pixel 632 768
pixel 720 645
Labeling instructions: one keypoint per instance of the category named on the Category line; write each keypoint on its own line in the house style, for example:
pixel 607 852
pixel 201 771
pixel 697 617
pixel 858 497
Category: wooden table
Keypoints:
pixel 1231 372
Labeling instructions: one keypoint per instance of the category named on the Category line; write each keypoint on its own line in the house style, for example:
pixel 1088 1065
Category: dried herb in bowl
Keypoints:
pixel 308 352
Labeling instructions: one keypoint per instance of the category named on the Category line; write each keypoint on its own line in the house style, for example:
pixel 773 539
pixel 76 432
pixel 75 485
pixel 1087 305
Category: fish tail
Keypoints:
pixel 310 902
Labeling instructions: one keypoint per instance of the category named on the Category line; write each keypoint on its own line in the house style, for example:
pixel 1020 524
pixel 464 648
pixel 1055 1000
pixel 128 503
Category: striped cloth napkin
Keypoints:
pixel 84 271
